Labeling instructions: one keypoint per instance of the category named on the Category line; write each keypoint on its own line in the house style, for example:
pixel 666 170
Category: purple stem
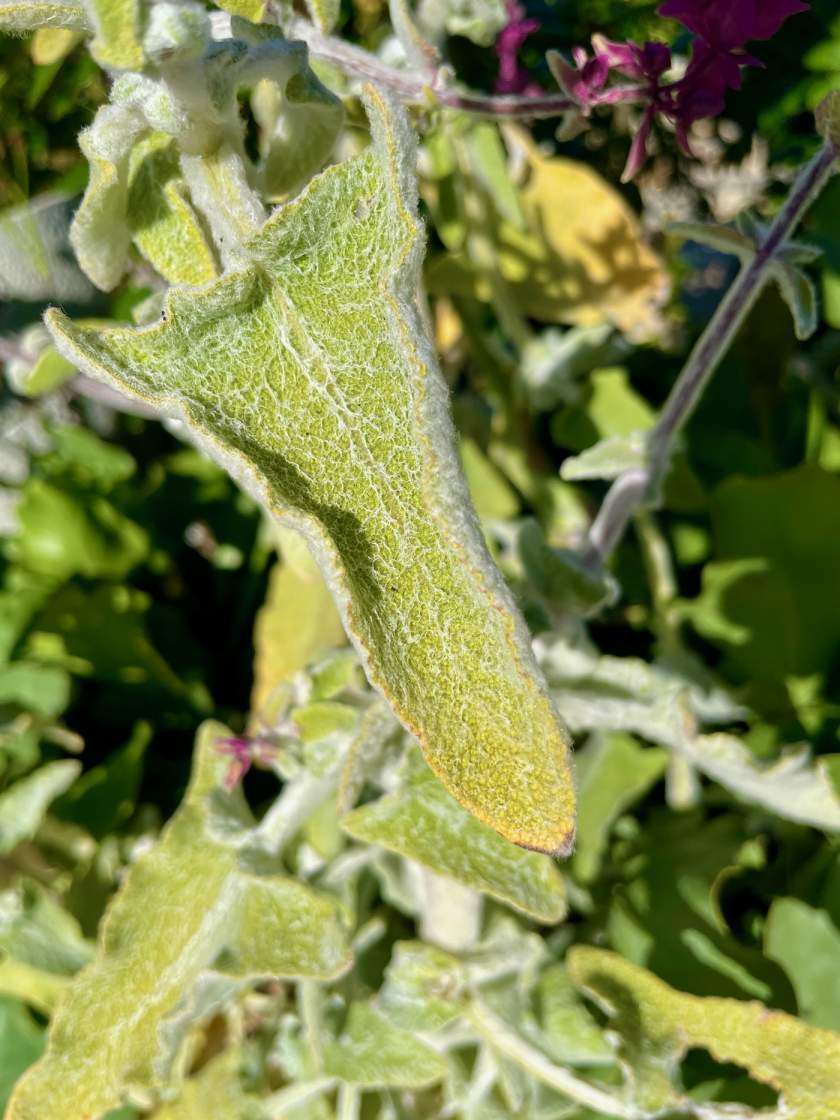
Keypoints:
pixel 636 486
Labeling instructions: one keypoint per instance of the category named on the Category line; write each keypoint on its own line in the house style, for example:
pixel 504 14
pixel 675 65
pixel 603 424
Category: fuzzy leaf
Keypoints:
pixel 34 261
pixel 166 228
pixel 218 922
pixel 23 805
pixel 373 1053
pixel 658 1025
pixel 117 40
pixel 608 458
pixel 423 987
pixel 17 17
pixel 216 1093
pixel 424 823
pixel 310 376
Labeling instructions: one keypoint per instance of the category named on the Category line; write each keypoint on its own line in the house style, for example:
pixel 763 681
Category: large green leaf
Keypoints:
pixel 374 1053
pixel 309 374
pixel 806 943
pixel 422 821
pixel 195 919
pixel 658 1025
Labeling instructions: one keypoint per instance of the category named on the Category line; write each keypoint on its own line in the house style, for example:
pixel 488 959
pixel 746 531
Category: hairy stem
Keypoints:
pixel 638 486
pixel 432 87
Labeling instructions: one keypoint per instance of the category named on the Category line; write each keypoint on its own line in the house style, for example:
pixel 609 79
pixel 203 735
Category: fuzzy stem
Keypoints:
pixel 636 487
pixel 430 89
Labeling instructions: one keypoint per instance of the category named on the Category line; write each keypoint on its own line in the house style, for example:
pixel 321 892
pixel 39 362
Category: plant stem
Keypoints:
pixel 498 1035
pixel 636 487
pixel 432 87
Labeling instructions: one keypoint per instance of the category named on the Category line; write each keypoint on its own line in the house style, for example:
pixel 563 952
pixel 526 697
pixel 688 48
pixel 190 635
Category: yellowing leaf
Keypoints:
pixel 52 44
pixel 117 27
pixel 310 376
pixel 581 257
pixel 196 918
pixel 424 823
pixel 297 623
pixel 252 10
pixel 658 1025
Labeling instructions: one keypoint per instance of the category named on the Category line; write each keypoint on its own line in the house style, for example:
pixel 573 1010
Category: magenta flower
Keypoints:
pixel 242 756
pixel 513 77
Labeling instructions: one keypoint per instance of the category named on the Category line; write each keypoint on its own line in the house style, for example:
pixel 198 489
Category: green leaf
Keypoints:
pixel 423 822
pixel 373 1053
pixel 90 460
pixel 34 261
pixel 613 772
pixel 219 921
pixel 789 611
pixel 568 1032
pixel 608 458
pixel 296 625
pixel 800 294
pixel 17 17
pixel 36 930
pixel 117 40
pixel 42 689
pixel 24 805
pixel 330 408
pixel 104 797
pixel 658 1025
pixel 491 493
pixel 215 1093
pixel 47 372
pixel 423 987
pixel 21 1044
pixel 34 986
pixel 60 537
pixel 100 234
pixel 164 226
pixel 806 943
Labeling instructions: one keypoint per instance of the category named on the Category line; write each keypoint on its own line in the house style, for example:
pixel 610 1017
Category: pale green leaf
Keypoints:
pixel 17 17
pixel 118 32
pixel 46 372
pixel 217 921
pixel 723 239
pixel 42 689
pixel 478 20
pixel 215 1093
pixel 36 930
pixel 422 821
pixel 608 458
pixel 658 1025
pixel 568 1032
pixel 21 1043
pixel 100 233
pixel 491 493
pixel 296 625
pixel 165 227
pixel 613 772
pixel 423 988
pixel 625 694
pixel 328 406
pixel 800 294
pixel 34 260
pixel 806 943
pixel 373 1053
pixel 24 805
pixel 35 986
